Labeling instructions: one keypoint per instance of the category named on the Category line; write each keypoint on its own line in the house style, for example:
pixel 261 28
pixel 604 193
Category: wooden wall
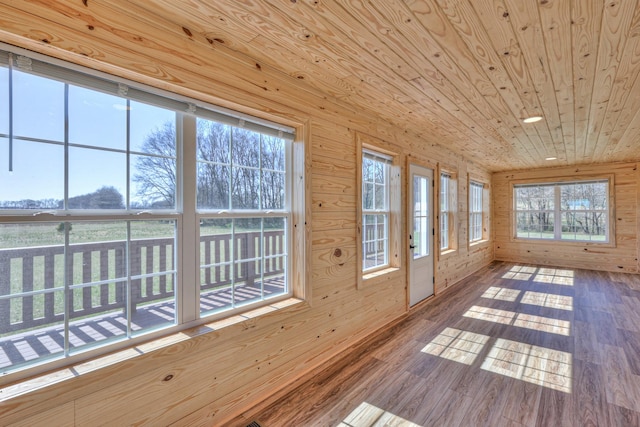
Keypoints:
pixel 205 378
pixel 621 255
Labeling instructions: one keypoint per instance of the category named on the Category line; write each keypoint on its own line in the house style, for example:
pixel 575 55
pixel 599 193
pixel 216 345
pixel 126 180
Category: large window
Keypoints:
pixel 447 211
pixel 375 210
pixel 475 211
pixel 572 211
pixel 100 182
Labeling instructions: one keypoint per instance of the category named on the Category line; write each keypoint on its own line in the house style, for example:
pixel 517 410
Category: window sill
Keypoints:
pixel 155 349
pixel 572 243
pixel 478 243
pixel 378 276
pixel 448 252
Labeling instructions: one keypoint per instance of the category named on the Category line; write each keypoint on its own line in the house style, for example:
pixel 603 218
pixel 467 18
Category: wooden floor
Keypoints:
pixel 512 345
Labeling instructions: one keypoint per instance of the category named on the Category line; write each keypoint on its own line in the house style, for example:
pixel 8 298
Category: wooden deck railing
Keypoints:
pixel 30 274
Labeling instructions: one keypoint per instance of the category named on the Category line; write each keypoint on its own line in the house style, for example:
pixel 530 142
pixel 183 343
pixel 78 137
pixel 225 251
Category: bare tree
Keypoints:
pixel 236 168
pixel 156 172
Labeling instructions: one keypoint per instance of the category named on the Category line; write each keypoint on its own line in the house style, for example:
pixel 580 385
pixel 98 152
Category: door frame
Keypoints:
pixel 420 162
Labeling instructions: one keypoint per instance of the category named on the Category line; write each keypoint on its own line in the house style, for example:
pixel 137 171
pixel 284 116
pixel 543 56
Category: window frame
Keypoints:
pixel 450 213
pixel 367 144
pixel 474 213
pixel 184 214
pixel 384 211
pixel 557 183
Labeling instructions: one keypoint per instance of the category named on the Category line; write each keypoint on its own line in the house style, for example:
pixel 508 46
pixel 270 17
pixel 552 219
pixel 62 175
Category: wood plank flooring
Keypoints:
pixel 512 345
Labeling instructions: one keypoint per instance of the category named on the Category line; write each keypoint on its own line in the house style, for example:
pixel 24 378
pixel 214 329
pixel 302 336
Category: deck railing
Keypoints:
pixel 30 275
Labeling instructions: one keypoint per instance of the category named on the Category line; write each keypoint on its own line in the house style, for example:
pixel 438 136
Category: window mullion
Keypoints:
pixel 188 254
pixel 557 226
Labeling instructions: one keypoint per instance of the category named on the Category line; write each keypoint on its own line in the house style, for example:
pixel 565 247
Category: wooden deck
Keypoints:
pixel 512 345
pixel 48 342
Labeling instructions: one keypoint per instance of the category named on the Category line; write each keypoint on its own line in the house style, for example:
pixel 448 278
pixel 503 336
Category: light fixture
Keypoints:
pixel 532 119
pixel 551 158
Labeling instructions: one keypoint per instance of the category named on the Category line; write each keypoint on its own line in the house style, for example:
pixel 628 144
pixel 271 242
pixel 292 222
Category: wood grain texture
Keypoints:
pixel 214 372
pixel 399 375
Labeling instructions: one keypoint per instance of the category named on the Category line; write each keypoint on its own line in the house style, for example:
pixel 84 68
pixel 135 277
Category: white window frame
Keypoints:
pixel 392 268
pixel 448 208
pixel 558 211
pixel 186 273
pixel 476 211
pixel 384 211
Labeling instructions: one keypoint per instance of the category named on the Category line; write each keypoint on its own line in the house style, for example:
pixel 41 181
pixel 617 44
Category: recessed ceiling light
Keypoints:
pixel 532 119
pixel 551 158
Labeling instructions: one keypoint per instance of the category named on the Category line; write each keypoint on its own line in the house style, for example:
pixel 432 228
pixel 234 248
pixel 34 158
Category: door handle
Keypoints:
pixel 411 247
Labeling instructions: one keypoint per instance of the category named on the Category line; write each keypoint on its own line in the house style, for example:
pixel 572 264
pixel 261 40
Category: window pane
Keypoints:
pixel 379 172
pixel 584 196
pixel 368 196
pixel 273 153
pixel 374 241
pixel 31 292
pixel 153 129
pixel 273 190
pixel 97 271
pixel 584 225
pixel 242 260
pixel 152 263
pixel 237 161
pixel 213 186
pixel 38 100
pixel 97 119
pixel 536 225
pixel 153 183
pixel 444 231
pixel 97 179
pixel 245 188
pixel 216 264
pixel 214 140
pixel 367 170
pixel 37 179
pixel 4 100
pixel 245 148
pixel 381 197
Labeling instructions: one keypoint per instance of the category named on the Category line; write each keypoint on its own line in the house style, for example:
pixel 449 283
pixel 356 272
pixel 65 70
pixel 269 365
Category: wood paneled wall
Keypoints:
pixel 621 255
pixel 211 377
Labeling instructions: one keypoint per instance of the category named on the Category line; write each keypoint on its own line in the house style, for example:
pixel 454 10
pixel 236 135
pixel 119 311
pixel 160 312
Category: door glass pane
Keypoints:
pixel 421 227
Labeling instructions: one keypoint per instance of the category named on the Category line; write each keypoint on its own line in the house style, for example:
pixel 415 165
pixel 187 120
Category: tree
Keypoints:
pixel 236 168
pixel 156 173
pixel 103 198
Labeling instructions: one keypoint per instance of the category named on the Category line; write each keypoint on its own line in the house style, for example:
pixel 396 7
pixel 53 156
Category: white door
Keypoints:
pixel 421 233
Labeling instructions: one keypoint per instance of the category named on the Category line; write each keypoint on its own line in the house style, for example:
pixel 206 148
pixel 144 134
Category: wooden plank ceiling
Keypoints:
pixel 462 73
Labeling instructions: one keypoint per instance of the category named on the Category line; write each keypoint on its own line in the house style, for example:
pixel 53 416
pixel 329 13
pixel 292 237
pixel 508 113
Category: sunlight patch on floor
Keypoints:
pixel 520 272
pixel 457 345
pixel 537 365
pixel 503 294
pixel 561 302
pixel 522 320
pixel 555 276
pixel 368 415
pixel 490 314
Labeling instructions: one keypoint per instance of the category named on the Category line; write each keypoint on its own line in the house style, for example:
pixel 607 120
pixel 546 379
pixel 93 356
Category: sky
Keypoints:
pixel 95 119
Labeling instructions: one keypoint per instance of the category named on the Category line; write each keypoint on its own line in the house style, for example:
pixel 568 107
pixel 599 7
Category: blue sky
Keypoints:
pixel 95 119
